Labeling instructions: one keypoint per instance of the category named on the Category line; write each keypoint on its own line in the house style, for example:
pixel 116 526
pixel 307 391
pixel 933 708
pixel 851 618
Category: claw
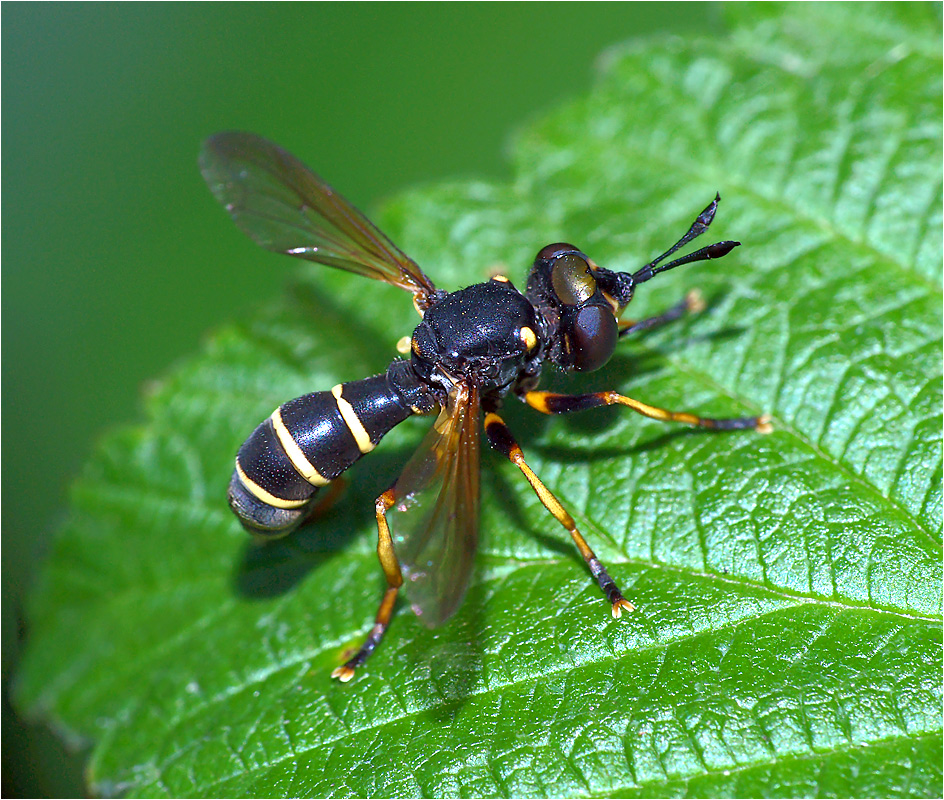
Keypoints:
pixel 763 424
pixel 620 606
pixel 343 673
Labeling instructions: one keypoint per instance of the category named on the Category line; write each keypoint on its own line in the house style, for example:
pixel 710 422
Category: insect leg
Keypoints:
pixel 391 568
pixel 502 440
pixel 553 403
pixel 693 303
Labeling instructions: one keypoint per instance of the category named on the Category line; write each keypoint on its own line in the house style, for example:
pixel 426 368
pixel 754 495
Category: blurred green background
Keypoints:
pixel 116 258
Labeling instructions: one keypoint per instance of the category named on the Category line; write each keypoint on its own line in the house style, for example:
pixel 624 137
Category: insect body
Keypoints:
pixel 472 348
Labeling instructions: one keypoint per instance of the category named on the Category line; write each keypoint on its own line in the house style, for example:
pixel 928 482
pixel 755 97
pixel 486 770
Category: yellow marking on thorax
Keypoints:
pixel 354 425
pixel 528 337
pixel 294 452
pixel 263 495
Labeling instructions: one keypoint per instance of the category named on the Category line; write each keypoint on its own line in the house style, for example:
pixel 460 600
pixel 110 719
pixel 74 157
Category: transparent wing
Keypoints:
pixel 285 207
pixel 435 521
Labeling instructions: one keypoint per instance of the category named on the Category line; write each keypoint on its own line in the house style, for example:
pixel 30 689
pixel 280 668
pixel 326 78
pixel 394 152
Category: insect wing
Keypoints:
pixel 285 207
pixel 436 517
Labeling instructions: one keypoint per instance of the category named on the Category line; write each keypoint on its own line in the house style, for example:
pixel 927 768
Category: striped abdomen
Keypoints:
pixel 306 444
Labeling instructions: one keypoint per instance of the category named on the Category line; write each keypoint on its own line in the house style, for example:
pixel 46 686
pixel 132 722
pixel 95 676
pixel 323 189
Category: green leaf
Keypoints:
pixel 787 639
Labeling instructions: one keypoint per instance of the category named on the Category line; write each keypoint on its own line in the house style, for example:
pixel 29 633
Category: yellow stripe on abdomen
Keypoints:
pixel 354 425
pixel 294 452
pixel 263 495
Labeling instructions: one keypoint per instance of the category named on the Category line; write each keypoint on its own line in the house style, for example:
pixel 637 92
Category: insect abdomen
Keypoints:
pixel 304 445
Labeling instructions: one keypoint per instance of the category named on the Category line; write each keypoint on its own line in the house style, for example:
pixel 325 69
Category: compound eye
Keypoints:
pixel 571 279
pixel 594 337
pixel 552 251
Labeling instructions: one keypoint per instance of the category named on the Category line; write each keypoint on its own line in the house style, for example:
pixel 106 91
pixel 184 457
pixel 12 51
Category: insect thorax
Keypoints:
pixel 487 333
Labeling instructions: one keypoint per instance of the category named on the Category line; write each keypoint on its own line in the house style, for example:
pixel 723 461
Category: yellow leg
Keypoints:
pixel 391 568
pixel 552 403
pixel 502 440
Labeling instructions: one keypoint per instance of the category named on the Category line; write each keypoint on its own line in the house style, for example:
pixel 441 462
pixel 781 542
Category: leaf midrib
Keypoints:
pixel 259 676
pixel 496 688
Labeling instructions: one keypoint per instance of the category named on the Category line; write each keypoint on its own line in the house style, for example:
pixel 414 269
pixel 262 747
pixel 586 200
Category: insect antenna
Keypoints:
pixel 716 250
pixel 699 226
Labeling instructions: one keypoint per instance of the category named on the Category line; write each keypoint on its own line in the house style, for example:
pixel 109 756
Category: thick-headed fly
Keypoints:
pixel 472 348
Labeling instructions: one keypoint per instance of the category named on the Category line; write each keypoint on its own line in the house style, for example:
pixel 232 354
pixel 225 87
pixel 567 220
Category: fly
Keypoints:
pixel 472 348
